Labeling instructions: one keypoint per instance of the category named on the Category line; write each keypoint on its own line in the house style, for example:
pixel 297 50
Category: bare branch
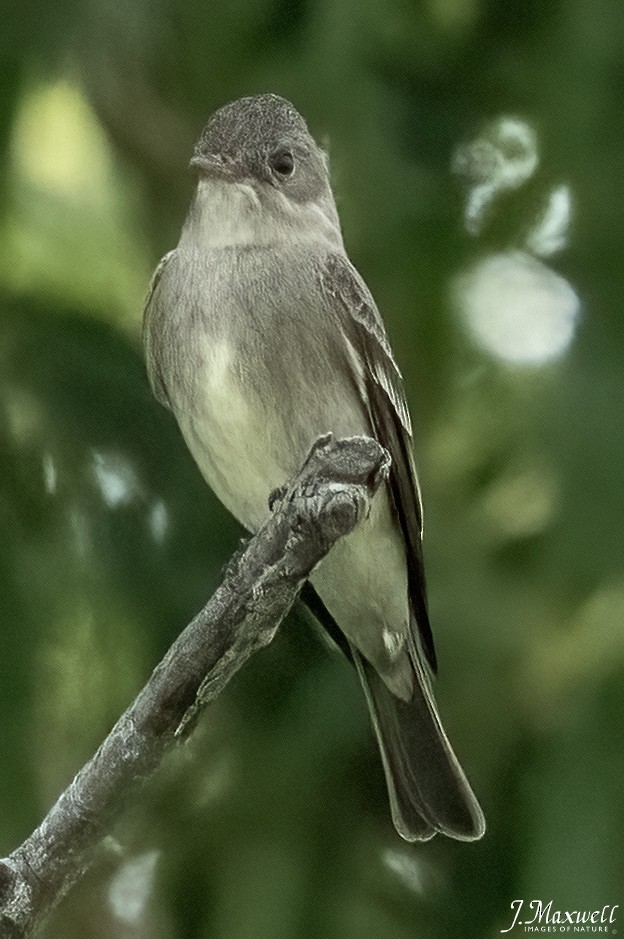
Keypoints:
pixel 326 500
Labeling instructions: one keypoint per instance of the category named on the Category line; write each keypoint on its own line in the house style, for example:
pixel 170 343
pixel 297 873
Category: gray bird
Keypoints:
pixel 260 336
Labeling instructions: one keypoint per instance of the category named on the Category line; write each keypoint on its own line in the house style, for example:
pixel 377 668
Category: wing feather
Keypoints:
pixel 385 399
pixel 150 315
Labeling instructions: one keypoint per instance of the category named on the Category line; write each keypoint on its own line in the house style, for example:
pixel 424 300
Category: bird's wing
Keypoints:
pixel 384 396
pixel 150 330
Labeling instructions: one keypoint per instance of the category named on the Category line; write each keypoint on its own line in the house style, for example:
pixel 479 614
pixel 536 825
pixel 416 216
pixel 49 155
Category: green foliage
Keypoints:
pixel 274 821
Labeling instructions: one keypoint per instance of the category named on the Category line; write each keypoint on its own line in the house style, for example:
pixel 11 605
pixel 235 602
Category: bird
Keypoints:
pixel 261 336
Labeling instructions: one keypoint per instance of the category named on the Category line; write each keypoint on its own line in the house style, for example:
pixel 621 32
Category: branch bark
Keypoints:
pixel 324 502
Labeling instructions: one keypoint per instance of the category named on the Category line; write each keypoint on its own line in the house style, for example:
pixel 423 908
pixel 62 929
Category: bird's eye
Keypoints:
pixel 282 162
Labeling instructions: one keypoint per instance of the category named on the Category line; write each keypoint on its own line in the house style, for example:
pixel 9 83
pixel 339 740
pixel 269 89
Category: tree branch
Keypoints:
pixel 324 502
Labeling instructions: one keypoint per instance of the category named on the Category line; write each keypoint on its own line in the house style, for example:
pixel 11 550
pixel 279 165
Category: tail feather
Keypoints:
pixel 428 790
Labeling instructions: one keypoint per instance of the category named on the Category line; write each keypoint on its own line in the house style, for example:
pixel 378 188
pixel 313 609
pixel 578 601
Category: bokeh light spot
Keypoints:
pixel 517 308
pixel 131 886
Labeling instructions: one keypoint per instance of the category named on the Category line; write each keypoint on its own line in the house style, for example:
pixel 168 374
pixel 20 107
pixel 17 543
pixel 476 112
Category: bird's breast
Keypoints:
pixel 257 369
pixel 229 435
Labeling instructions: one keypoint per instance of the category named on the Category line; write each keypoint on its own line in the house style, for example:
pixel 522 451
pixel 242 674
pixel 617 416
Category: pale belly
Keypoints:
pixel 245 451
pixel 229 438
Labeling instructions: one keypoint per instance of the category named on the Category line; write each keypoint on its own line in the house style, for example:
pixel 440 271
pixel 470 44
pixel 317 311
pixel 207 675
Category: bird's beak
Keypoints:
pixel 211 164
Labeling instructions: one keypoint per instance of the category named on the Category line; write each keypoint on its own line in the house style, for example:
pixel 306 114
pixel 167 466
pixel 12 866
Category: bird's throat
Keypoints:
pixel 235 214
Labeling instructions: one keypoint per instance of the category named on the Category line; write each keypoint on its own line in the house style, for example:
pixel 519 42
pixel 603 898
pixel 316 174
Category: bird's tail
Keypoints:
pixel 428 790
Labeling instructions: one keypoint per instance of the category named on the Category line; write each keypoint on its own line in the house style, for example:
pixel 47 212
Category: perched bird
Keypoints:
pixel 260 336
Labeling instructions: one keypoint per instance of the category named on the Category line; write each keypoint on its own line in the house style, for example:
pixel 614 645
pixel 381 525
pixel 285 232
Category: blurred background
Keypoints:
pixel 476 150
